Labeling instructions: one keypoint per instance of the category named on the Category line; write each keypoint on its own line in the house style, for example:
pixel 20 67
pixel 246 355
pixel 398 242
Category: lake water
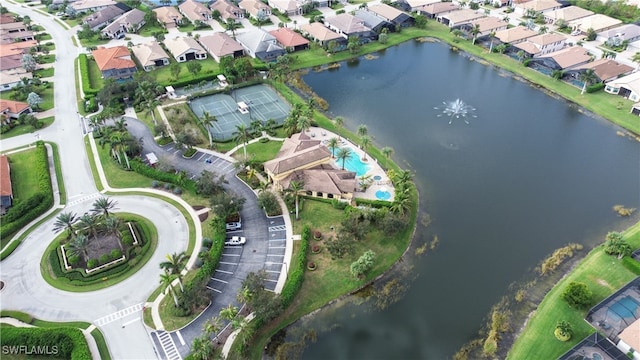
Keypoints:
pixel 528 175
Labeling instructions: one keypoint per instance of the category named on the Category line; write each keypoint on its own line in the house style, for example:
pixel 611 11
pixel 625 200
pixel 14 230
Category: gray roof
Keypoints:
pixel 347 23
pixel 370 19
pixel 624 32
pixel 258 41
pixel 105 15
pixel 127 20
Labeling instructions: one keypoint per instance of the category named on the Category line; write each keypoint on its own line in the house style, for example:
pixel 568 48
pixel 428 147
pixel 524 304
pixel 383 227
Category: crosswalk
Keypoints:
pixel 168 345
pixel 119 315
pixel 277 228
pixel 84 198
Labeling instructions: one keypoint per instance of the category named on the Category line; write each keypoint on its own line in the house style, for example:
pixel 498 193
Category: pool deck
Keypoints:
pixel 375 169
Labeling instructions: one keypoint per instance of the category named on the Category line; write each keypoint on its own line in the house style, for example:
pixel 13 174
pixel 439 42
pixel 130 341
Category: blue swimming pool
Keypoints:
pixel 626 307
pixel 353 163
pixel 383 194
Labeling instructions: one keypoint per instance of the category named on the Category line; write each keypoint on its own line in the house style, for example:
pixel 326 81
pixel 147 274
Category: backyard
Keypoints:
pixel 23 185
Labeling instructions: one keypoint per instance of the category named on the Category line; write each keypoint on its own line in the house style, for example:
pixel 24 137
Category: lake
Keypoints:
pixel 528 174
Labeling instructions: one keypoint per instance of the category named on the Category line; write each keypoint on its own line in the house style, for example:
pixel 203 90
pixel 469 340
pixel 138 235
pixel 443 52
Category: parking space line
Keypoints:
pixel 226 272
pixel 216 290
pixel 231 255
pixel 277 247
pixel 180 338
pixel 201 155
pixel 281 255
pixel 227 263
pixel 218 280
pixel 269 280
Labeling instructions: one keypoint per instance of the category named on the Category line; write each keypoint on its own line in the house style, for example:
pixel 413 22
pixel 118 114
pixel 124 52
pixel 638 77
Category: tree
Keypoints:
pixel 363 264
pixel 501 48
pixel 226 203
pixel 521 55
pixel 591 34
pixel 79 246
pixel 457 33
pixel 194 67
pixel 343 154
pixel 175 70
pixel 231 25
pixel 112 225
pixel 420 21
pixel 229 313
pixel 341 246
pixel 543 30
pixel 207 122
pixel 29 62
pixel 65 221
pixel 362 130
pixel 339 121
pixel 365 141
pixel 616 245
pixel 207 184
pixel 165 282
pixel 353 44
pixel 270 126
pixel 333 144
pixel 557 74
pixel 34 100
pixel 475 30
pixel 587 77
pixel 242 135
pixel 387 151
pixel 103 205
pixel 332 46
pixel 383 38
pixel 90 223
pixel 268 201
pixel 295 187
pixel 492 36
pixel 577 295
pixel 636 59
pixel 173 265
pixel 201 348
pixel 563 330
pixel 303 124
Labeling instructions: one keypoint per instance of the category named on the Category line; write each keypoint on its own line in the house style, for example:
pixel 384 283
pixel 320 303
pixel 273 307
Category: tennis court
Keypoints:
pixel 264 104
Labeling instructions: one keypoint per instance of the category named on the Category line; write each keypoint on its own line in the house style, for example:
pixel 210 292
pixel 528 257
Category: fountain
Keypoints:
pixel 457 108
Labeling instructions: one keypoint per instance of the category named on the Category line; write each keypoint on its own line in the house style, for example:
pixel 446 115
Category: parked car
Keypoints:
pixel 236 240
pixel 232 226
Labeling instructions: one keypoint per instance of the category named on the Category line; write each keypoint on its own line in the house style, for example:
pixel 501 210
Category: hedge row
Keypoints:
pixel 215 253
pixel 159 175
pixel 86 78
pixel 62 342
pixel 595 87
pixel 196 80
pixel 296 277
pixel 631 264
pixel 45 196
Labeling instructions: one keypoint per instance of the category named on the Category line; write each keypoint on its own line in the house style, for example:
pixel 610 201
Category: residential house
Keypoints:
pixel 627 86
pixel 515 35
pixel 539 6
pixel 373 22
pixel 289 39
pixel 129 22
pixel 11 54
pixel 7 37
pixel 567 14
pixel 432 11
pixel 168 16
pixel 150 55
pixel 6 192
pixel 6 19
pixel 392 15
pixel 104 17
pixel 597 22
pixel 85 6
pixel 255 8
pixel 114 62
pixel 260 44
pixel 13 109
pixel 617 35
pixel 542 44
pixel 486 25
pixel 195 11
pixel 220 45
pixel 415 5
pixel 456 19
pixel 606 69
pixel 348 26
pixel 565 59
pixel 288 7
pixel 227 9
pixel 303 159
pixel 11 78
pixel 321 34
pixel 10 62
pixel 185 49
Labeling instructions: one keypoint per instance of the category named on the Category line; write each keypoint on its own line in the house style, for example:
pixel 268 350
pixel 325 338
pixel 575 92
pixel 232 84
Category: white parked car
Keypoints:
pixel 575 33
pixel 236 240
pixel 232 226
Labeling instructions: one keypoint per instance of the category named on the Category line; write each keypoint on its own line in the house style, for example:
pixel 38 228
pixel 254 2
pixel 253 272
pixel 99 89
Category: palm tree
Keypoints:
pixel 231 25
pixel 151 105
pixel 333 144
pixel 543 30
pixel 401 202
pixel 520 54
pixel 79 245
pixel 636 58
pixel 269 126
pixel 303 123
pixel 339 121
pixel 174 264
pixel 65 221
pixel 211 326
pixel 165 282
pixel 120 124
pixel 343 154
pixel 201 348
pixel 90 222
pixel 256 126
pixel 295 187
pixel 229 312
pixel 587 77
pixel 362 130
pixel 103 205
pixel 112 225
pixel 387 151
pixel 492 35
pixel 365 141
pixel 243 135
pixel 207 121
pixel 475 30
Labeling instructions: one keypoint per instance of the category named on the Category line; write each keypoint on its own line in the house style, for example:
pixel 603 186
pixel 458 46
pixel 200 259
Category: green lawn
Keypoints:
pixel 260 152
pixel 210 68
pixel 602 273
pixel 24 186
pixel 117 176
pixel 26 129
pixel 95 75
pixel 47 59
pixel 45 73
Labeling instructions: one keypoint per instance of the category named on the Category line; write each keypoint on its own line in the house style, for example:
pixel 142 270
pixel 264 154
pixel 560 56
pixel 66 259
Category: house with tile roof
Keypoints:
pixel 627 86
pixel 104 17
pixel 185 49
pixel 597 22
pixel 486 25
pixel 260 44
pixel 288 7
pixel 150 55
pixel 539 6
pixel 392 15
pixel 515 35
pixel 114 62
pixel 619 34
pixel 415 5
pixel 348 26
pixel 255 8
pixel 195 11
pixel 6 191
pixel 220 44
pixel 227 10
pixel 13 109
pixel 7 37
pixel 289 39
pixel 85 6
pixel 433 10
pixel 13 77
pixel 455 19
pixel 565 59
pixel 321 34
pixel 567 14
pixel 168 16
pixel 606 69
pixel 129 22
pixel 542 44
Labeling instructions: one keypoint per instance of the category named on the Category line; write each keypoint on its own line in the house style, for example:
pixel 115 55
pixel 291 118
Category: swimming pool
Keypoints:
pixel 353 163
pixel 383 194
pixel 626 307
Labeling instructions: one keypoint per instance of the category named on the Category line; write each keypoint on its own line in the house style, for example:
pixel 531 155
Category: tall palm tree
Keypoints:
pixel 90 223
pixel 401 202
pixel 343 154
pixel 492 35
pixel 290 125
pixel 165 282
pixel 104 205
pixel 362 130
pixel 387 151
pixel 112 225
pixel 229 312
pixel 339 121
pixel 120 124
pixel 295 187
pixel 520 54
pixel 242 135
pixel 79 246
pixel 333 144
pixel 303 124
pixel 365 141
pixel 231 25
pixel 475 30
pixel 587 77
pixel 207 121
pixel 201 348
pixel 151 105
pixel 269 126
pixel 212 326
pixel 65 221
pixel 173 265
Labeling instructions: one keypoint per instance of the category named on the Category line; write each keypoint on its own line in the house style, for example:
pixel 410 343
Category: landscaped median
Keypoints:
pixel 604 274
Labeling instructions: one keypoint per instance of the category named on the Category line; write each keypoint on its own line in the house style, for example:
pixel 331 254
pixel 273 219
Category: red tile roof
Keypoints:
pixel 14 107
pixel 5 178
pixel 117 57
pixel 288 37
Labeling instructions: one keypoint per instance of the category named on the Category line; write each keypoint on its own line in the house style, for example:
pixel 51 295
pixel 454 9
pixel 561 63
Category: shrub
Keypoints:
pixel 92 263
pixel 311 265
pixel 69 342
pixel 177 191
pixel 73 259
pixel 577 295
pixel 168 186
pixel 127 239
pixel 207 242
pixel 86 79
pixel 155 184
pixel 595 88
pixel 363 264
pixel 104 258
pixel 317 235
pixel 296 274
pixel 563 331
pixel 115 254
